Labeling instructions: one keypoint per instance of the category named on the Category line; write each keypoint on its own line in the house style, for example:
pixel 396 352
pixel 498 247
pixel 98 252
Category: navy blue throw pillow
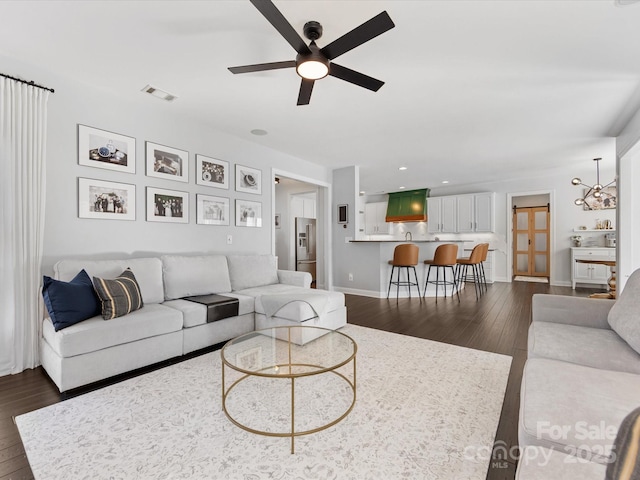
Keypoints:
pixel 70 302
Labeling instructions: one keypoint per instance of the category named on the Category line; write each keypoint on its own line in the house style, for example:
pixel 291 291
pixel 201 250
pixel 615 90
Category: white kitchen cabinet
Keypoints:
pixel 484 210
pixel 587 272
pixel 374 219
pixel 466 214
pixel 303 207
pixel 461 213
pixel 441 215
pixel 434 214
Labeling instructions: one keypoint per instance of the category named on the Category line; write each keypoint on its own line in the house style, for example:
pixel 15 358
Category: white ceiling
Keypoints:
pixel 475 90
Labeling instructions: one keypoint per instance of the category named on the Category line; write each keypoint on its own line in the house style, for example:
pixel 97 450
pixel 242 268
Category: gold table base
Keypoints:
pixel 287 373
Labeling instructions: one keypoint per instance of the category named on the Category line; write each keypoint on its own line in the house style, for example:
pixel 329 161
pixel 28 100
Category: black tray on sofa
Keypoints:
pixel 219 307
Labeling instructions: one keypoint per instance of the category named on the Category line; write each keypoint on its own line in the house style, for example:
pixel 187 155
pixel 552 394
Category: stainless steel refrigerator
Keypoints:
pixel 306 246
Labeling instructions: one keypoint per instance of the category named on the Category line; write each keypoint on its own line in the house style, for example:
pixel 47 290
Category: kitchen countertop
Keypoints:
pixel 410 241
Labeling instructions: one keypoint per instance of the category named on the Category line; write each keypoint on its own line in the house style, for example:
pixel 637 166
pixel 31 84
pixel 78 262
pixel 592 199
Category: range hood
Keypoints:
pixel 408 206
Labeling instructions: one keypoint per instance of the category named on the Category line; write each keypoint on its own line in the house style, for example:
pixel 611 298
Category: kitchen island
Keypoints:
pixel 375 254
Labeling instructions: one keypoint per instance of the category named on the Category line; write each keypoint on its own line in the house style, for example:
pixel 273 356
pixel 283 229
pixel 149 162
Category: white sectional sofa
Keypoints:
pixel 168 326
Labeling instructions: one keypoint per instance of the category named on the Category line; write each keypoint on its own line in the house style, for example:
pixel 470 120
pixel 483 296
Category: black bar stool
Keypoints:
pixel 444 257
pixel 474 262
pixel 404 256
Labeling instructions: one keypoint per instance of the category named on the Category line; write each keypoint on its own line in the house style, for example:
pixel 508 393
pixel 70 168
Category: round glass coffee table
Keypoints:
pixel 288 381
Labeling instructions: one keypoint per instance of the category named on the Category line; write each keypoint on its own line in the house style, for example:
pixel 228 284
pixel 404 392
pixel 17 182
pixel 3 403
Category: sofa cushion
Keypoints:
pixel 196 313
pixel 593 347
pixel 119 296
pixel 574 409
pixel 186 276
pixel 248 271
pixel 148 273
pixel 539 463
pixel 624 316
pixel 70 302
pixel 95 333
pixel 297 311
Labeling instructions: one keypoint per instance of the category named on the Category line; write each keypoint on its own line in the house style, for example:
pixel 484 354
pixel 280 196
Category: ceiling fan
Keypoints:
pixel 313 63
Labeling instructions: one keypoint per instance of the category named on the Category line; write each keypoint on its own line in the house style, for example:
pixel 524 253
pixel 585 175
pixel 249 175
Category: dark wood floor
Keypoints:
pixel 497 322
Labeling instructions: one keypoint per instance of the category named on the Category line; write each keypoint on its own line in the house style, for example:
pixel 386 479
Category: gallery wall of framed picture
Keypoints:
pixel 108 150
pixel 111 200
pixel 167 162
pixel 106 200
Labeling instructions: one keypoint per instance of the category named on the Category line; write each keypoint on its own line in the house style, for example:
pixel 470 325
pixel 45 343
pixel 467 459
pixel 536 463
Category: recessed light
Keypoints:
pixel 402 188
pixel 402 168
pixel 445 181
pixel 259 131
pixel 158 93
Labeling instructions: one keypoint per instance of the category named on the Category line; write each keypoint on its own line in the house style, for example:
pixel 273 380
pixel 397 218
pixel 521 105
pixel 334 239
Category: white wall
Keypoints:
pixel 628 150
pixel 148 119
pixel 348 257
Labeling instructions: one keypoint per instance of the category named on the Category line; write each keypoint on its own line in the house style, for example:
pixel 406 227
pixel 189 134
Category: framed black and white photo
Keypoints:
pixel 212 172
pixel 103 149
pixel 167 206
pixel 248 180
pixel 248 213
pixel 106 200
pixel 212 210
pixel 167 162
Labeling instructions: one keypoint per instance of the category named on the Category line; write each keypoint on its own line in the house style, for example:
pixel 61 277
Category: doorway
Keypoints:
pixel 300 212
pixel 531 241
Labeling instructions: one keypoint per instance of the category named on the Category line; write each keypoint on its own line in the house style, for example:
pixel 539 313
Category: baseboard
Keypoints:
pixel 374 294
pixel 357 291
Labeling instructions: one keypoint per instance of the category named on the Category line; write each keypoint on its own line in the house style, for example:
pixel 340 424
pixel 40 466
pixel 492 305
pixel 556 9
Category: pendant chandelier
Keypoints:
pixel 596 194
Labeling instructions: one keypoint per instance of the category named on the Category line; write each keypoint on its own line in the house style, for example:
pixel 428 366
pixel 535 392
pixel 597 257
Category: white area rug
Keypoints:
pixel 424 410
pixel 521 278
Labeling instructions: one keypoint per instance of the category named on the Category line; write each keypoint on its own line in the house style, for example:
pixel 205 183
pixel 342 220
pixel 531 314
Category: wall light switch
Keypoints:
pixel 229 239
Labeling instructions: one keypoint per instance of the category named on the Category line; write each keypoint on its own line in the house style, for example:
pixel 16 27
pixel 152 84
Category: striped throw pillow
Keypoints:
pixel 119 296
pixel 626 453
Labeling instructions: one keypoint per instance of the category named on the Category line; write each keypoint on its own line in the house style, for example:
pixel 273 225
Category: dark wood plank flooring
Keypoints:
pixel 497 322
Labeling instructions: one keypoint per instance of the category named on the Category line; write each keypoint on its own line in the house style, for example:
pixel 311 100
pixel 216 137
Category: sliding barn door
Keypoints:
pixel 531 241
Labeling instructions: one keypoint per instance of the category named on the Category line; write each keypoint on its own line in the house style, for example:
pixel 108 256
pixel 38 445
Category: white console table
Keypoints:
pixel 582 272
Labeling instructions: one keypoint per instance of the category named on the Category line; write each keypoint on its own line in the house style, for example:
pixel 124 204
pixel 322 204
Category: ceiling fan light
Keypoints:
pixel 579 201
pixel 313 69
pixel 597 187
pixel 597 194
pixel 576 181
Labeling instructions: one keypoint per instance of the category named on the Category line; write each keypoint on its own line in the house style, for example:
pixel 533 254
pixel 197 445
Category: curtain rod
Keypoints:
pixel 32 83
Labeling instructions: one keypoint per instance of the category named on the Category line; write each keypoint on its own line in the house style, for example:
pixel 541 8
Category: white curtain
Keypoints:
pixel 23 136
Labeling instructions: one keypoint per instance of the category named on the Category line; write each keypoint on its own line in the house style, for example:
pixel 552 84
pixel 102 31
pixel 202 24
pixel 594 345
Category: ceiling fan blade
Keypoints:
pixel 275 18
pixel 306 87
pixel 259 67
pixel 359 35
pixel 357 78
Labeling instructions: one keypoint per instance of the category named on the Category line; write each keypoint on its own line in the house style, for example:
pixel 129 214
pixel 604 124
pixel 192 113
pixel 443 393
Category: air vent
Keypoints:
pixel 158 93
